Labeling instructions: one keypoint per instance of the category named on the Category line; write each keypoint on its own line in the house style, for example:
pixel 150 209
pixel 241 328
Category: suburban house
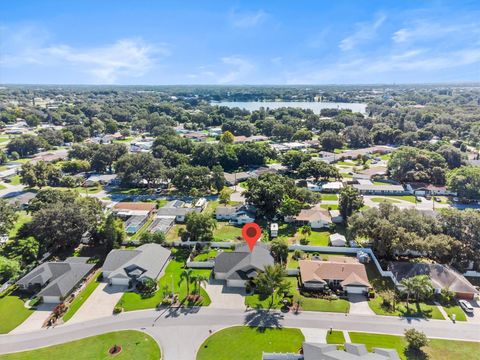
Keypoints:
pixel 320 351
pixel 237 214
pixel 328 187
pixel 380 189
pixel 135 214
pixel 141 146
pixel 316 218
pixel 338 240
pixel 103 179
pixel 177 210
pixel 441 276
pixel 54 281
pixel 338 272
pixel 241 265
pixel 238 177
pixel 124 267
pixel 22 200
pixel 422 189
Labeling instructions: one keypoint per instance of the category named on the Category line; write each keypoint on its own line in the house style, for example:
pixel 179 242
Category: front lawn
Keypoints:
pixel 457 310
pixel 335 337
pixel 436 349
pixel 172 234
pixel 382 199
pixel 409 198
pixel 209 255
pixel 133 301
pixel 248 343
pixel 226 232
pixel 306 303
pixel 12 312
pixel 135 345
pixel 15 180
pixel 329 197
pixel 82 297
pixel 329 206
pixel 423 310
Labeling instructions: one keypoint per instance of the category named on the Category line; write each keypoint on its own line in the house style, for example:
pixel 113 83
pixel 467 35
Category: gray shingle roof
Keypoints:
pixel 317 351
pixel 241 264
pixel 441 276
pixel 148 258
pixel 59 277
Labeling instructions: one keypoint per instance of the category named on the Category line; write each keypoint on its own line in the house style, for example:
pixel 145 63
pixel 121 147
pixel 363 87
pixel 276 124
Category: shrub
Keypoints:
pixel 304 241
pixel 415 339
pixel 117 310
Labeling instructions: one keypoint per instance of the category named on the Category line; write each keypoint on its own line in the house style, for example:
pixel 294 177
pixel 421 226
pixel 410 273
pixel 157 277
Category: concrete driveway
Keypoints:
pixel 36 320
pixel 100 303
pixel 475 317
pixel 223 297
pixel 359 305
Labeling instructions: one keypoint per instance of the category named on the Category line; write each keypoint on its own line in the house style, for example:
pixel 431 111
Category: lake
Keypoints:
pixel 315 106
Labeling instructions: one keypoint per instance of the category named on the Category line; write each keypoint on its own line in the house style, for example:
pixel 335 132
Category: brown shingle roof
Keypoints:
pixel 313 215
pixel 348 273
pixel 135 206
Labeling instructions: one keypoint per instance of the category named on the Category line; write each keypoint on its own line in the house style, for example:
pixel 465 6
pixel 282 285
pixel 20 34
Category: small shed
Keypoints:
pixel 363 257
pixel 338 240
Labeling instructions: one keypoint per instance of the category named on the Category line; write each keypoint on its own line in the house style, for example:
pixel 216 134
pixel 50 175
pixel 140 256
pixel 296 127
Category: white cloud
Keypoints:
pixel 425 30
pixel 364 32
pixel 247 20
pixel 240 68
pixel 109 63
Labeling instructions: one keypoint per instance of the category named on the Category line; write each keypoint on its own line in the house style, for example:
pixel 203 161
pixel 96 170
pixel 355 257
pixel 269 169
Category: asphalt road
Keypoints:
pixel 168 327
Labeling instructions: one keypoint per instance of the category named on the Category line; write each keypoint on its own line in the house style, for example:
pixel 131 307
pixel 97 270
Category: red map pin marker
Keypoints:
pixel 251 233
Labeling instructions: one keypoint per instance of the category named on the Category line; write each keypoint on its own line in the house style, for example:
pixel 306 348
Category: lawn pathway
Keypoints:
pixel 346 335
pixel 314 335
pixel 442 311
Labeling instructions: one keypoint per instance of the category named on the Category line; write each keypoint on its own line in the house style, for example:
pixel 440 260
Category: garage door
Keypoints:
pixel 120 281
pixel 355 289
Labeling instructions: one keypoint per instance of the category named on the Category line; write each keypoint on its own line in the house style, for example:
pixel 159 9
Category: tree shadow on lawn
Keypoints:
pixel 261 319
pixel 412 354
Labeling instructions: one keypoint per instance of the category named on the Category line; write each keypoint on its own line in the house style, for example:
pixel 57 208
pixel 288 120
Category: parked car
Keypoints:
pixel 465 305
pixel 437 199
pixel 419 199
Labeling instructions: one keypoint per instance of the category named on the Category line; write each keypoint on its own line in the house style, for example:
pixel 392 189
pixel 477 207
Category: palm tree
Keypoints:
pixel 199 281
pixel 187 276
pixel 422 287
pixel 270 280
pixel 408 287
pixel 306 231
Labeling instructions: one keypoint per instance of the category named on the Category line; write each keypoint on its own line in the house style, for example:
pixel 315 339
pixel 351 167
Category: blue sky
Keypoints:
pixel 238 42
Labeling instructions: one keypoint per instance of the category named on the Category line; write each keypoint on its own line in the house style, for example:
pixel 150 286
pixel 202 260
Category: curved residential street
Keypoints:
pixel 170 326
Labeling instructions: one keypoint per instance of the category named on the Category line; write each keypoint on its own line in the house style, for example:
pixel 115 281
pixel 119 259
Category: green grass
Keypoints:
pixel 172 234
pixel 381 199
pixel 335 337
pixel 81 298
pixel 15 180
pixel 135 345
pixel 23 218
pixel 457 310
pixel 133 301
pixel 436 349
pixel 291 262
pixel 317 238
pixel 422 310
pixel 380 183
pixel 248 343
pixel 226 232
pixel 329 206
pixel 212 206
pixel 409 198
pixel 2 187
pixel 4 139
pixel 12 312
pixel 161 203
pixel 329 197
pixel 209 255
pixel 307 303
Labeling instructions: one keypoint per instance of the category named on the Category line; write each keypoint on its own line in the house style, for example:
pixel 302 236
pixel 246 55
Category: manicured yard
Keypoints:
pixel 211 254
pixel 329 206
pixel 409 198
pixel 226 232
pixel 15 180
pixel 12 312
pixel 384 199
pixel 380 283
pixel 133 301
pixel 248 343
pixel 23 218
pixel 457 310
pixel 307 303
pixel 436 349
pixel 329 197
pixel 2 187
pixel 335 337
pixel 212 205
pixel 317 238
pixel 81 298
pixel 135 345
pixel 291 262
pixel 161 203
